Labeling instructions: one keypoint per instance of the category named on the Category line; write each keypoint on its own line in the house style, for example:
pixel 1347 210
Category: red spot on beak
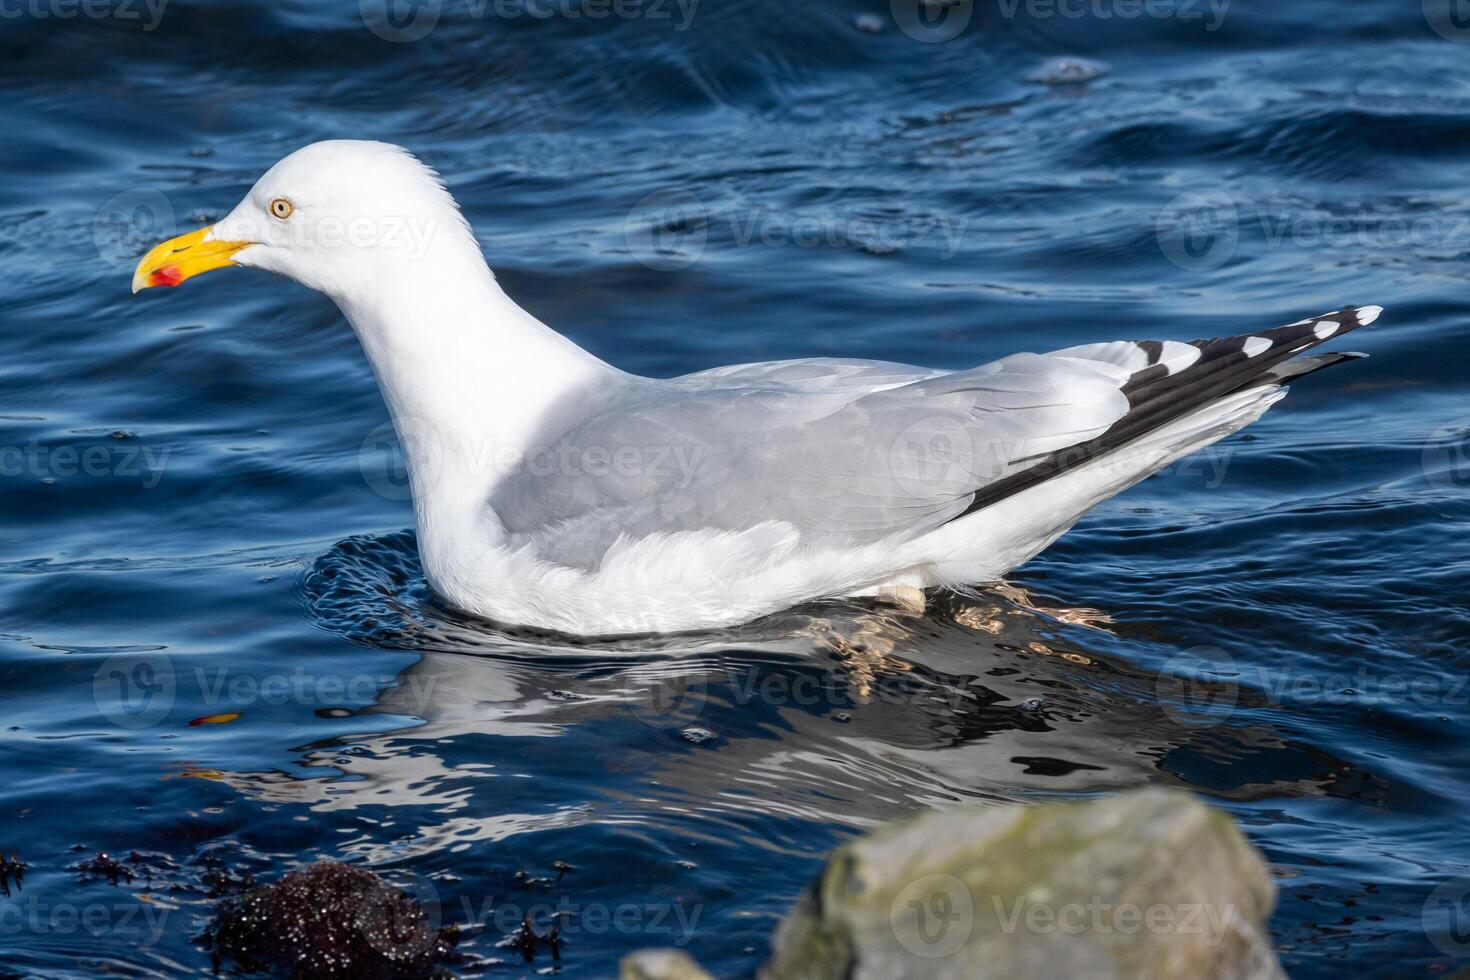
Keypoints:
pixel 169 275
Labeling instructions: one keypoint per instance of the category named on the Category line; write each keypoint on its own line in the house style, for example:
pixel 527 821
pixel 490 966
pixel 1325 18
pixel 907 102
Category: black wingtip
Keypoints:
pixel 1169 387
pixel 1316 329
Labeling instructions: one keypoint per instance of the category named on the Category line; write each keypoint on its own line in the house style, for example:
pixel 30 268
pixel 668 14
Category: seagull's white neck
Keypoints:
pixel 467 375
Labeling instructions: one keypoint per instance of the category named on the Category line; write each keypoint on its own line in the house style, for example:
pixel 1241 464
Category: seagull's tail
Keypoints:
pixel 1178 381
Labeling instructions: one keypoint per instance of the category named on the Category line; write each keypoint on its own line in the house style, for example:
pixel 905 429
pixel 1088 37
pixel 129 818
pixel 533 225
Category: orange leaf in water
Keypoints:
pixel 224 719
pixel 194 774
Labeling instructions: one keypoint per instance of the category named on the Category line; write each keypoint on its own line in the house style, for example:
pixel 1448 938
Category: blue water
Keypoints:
pixel 202 516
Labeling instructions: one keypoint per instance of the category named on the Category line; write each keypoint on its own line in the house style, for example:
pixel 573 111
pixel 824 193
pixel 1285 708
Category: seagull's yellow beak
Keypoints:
pixel 184 258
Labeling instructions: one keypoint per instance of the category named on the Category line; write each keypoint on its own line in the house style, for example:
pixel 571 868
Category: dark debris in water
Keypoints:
pixel 524 878
pixel 528 942
pixel 12 869
pixel 103 865
pixel 146 869
pixel 221 880
pixel 332 921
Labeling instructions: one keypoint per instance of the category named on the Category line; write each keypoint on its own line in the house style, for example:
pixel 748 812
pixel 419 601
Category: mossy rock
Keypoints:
pixel 661 964
pixel 1149 884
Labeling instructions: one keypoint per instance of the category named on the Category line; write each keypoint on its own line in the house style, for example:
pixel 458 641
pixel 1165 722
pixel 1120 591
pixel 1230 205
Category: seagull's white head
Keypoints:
pixel 340 216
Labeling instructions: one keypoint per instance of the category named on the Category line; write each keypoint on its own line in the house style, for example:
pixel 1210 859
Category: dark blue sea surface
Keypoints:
pixel 218 656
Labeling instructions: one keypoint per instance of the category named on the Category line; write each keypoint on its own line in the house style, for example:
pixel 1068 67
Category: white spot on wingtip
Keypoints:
pixel 1325 328
pixel 1368 314
pixel 1176 356
pixel 1256 345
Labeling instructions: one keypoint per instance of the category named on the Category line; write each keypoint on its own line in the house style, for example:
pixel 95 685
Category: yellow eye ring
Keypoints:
pixel 282 208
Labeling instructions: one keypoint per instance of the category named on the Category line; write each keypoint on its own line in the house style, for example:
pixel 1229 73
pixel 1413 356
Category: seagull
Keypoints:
pixel 553 490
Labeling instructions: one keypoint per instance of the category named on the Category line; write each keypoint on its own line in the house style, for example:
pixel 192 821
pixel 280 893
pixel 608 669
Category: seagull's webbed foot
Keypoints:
pixel 909 599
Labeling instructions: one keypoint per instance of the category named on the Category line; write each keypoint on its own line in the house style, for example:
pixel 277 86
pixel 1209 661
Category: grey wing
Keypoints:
pixel 846 452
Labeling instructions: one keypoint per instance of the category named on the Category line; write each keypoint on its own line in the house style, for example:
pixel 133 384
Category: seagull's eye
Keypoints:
pixel 282 208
